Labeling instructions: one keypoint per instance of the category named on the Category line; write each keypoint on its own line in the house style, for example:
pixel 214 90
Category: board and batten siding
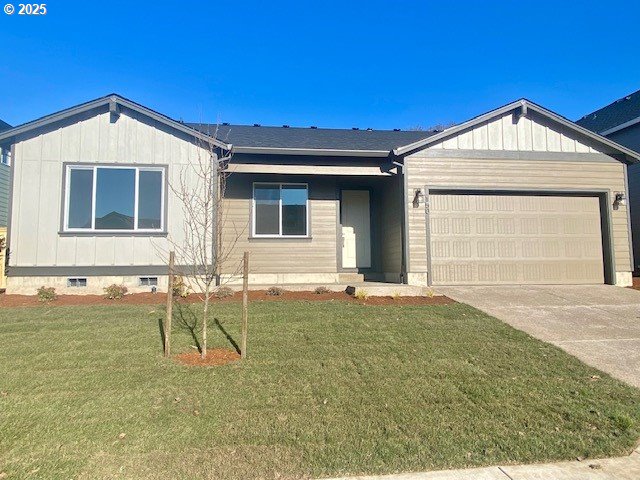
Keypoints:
pixel 532 133
pixel 458 162
pixel 313 255
pixel 38 182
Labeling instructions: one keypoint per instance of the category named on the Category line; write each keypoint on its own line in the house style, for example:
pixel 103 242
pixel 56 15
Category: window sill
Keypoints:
pixel 280 239
pixel 124 233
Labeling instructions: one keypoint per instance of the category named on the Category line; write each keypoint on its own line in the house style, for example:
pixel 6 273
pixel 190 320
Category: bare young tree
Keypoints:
pixel 200 189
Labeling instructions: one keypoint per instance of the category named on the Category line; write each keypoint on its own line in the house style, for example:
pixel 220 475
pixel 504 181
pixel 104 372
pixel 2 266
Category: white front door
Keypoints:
pixel 356 223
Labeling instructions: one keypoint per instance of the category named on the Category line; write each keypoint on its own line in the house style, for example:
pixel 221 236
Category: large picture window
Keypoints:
pixel 100 198
pixel 280 209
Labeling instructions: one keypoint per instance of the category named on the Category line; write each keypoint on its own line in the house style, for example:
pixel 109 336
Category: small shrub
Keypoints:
pixel 361 294
pixel 396 295
pixel 47 294
pixel 275 291
pixel 430 293
pixel 179 288
pixel 321 290
pixel 223 292
pixel 115 292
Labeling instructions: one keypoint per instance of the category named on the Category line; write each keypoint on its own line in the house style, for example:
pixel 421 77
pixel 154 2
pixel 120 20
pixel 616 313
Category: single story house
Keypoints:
pixel 620 122
pixel 517 195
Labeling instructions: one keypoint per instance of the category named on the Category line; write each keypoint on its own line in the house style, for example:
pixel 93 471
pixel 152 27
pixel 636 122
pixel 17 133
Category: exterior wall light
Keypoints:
pixel 417 194
pixel 620 200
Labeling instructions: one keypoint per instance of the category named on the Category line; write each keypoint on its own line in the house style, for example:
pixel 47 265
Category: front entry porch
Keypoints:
pixel 314 230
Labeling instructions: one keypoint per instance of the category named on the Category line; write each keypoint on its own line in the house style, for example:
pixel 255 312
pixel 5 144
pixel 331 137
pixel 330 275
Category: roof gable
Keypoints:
pixel 115 102
pixel 4 126
pixel 560 127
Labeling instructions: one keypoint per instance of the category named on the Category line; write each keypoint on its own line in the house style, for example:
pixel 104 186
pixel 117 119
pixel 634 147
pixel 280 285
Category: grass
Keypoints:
pixel 329 388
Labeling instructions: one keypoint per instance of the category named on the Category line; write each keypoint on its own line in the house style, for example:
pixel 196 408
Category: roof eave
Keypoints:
pixel 633 157
pixel 622 126
pixel 326 152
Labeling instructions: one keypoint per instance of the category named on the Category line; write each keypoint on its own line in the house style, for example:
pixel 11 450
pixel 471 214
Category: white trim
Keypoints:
pixel 280 234
pixel 284 169
pixel 136 187
pixel 94 170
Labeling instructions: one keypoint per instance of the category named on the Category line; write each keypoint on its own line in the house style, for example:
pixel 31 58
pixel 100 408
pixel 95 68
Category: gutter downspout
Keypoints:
pixel 404 221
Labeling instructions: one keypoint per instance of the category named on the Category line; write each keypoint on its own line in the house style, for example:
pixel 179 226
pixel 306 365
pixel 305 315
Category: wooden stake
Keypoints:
pixel 167 323
pixel 245 305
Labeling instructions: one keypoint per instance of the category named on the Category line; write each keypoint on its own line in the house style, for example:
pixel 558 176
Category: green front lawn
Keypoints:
pixel 329 388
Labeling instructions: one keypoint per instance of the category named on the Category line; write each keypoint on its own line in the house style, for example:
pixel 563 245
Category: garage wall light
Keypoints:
pixel 417 194
pixel 620 200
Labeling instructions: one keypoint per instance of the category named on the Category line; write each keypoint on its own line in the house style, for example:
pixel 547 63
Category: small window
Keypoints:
pixel 280 210
pixel 76 282
pixel 114 198
pixel 148 281
pixel 5 156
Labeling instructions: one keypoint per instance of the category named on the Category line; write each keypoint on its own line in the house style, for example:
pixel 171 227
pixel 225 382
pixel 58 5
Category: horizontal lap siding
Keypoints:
pixel 280 255
pixel 510 174
pixel 38 182
pixel 391 228
pixel 4 194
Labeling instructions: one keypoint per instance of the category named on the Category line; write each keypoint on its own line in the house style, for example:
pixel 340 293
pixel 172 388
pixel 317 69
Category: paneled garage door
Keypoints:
pixel 514 239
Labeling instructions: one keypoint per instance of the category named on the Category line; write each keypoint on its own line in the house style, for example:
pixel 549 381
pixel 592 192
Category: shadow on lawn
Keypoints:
pixel 185 319
pixel 188 321
pixel 226 334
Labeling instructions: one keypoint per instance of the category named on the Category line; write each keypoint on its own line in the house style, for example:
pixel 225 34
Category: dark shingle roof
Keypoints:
pixel 4 126
pixel 619 112
pixel 312 138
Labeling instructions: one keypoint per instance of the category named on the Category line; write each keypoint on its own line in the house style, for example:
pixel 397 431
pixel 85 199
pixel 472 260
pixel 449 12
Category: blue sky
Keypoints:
pixel 332 64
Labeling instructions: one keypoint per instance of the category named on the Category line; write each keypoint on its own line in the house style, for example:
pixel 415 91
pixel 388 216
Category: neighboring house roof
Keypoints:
pixel 114 102
pixel 312 140
pixel 620 114
pixel 522 106
pixel 4 126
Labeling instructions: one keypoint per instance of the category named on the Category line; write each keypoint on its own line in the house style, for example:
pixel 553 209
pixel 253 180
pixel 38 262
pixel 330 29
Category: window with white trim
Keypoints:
pixel 110 198
pixel 280 210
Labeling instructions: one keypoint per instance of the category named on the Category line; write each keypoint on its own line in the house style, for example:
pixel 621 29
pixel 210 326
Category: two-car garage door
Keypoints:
pixel 514 239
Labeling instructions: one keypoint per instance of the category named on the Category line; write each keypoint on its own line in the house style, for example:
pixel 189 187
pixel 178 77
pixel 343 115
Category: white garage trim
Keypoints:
pixel 605 202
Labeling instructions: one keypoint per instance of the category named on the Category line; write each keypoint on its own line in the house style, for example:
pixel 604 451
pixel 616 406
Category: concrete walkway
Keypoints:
pixel 599 324
pixel 622 468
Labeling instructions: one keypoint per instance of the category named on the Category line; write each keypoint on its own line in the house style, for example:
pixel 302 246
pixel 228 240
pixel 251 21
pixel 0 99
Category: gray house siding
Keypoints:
pixel 40 254
pixel 315 259
pixel 4 194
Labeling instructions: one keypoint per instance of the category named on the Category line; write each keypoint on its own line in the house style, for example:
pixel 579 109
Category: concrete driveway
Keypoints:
pixel 599 324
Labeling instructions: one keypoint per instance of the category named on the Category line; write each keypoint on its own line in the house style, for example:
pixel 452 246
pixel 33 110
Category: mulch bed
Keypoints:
pixel 254 296
pixel 636 283
pixel 215 357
